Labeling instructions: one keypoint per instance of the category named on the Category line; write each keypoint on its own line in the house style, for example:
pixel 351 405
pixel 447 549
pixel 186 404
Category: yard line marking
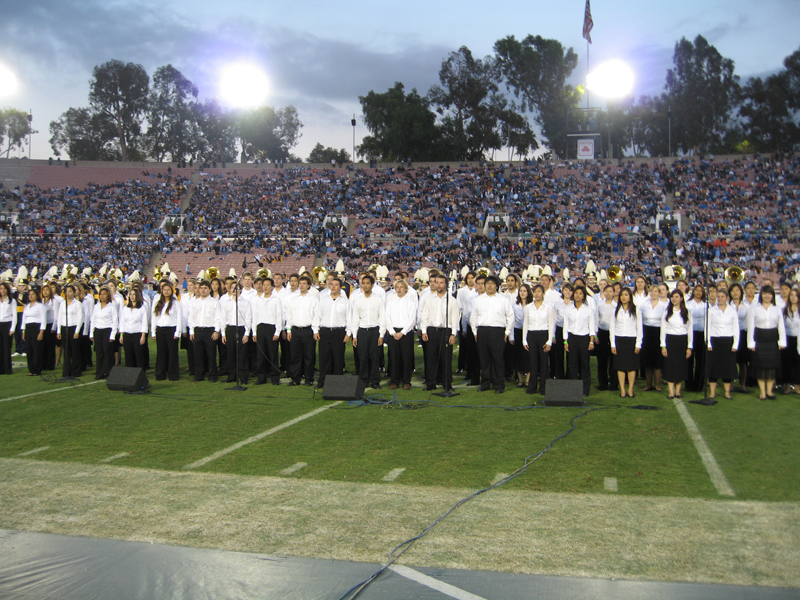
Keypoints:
pixel 115 457
pixel 717 476
pixel 48 391
pixel 293 468
pixel 435 584
pixel 393 474
pixel 498 478
pixel 611 484
pixel 259 436
pixel 34 451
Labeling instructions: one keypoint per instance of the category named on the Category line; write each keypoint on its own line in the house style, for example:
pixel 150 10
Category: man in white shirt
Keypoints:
pixel 470 346
pixel 299 317
pixel 463 297
pixel 439 327
pixel 236 324
pixel 268 323
pixel 367 326
pixel 249 293
pixel 203 332
pixel 492 323
pixel 330 330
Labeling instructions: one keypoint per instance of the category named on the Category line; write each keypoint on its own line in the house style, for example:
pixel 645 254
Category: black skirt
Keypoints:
pixel 791 374
pixel 626 359
pixel 676 366
pixel 722 359
pixel 766 356
pixel 650 356
pixel 743 353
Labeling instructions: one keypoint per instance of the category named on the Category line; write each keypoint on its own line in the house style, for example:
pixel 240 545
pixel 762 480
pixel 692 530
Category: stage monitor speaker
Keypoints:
pixel 343 387
pixel 127 379
pixel 564 392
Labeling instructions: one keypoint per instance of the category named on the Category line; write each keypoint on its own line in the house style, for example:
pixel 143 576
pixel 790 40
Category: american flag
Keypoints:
pixel 588 23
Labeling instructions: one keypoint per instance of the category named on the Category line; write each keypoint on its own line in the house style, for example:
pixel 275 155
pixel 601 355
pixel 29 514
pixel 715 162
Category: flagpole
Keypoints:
pixel 587 77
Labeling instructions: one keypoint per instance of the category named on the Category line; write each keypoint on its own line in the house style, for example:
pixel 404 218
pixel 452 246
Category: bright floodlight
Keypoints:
pixel 612 79
pixel 8 81
pixel 244 86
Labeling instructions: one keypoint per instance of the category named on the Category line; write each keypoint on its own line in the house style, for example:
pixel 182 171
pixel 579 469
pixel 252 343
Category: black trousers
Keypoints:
pixel 302 354
pixel 134 351
pixel 401 358
pixel 606 374
pixel 470 349
pixel 237 353
pixel 6 340
pixel 696 380
pixel 540 368
pixel 167 354
pixel 19 343
pixel 35 348
pixel 267 359
pixel 104 358
pixel 579 360
pixel 86 352
pixel 286 355
pixel 369 356
pixel 187 344
pixel 557 362
pixel 222 349
pixel 331 352
pixel 439 360
pixel 205 354
pixel 49 355
pixel 72 353
pixel 491 346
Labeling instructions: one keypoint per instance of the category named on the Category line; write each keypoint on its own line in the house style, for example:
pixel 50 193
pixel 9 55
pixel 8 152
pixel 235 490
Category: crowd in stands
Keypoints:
pixel 743 211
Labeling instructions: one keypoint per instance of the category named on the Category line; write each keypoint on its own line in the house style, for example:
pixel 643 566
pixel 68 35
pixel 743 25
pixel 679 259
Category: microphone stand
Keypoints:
pixel 238 387
pixel 448 367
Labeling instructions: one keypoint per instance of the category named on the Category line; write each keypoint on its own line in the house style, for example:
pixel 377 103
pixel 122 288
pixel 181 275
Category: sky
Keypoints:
pixel 321 56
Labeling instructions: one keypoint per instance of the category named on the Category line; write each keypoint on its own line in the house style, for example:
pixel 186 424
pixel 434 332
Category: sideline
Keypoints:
pixel 714 471
pixel 259 436
pixel 49 391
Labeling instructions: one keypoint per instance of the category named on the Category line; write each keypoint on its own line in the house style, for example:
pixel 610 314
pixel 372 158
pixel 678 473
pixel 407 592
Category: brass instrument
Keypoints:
pixel 485 271
pixel 212 272
pixel 734 275
pixel 614 274
pixel 264 273
pixel 319 274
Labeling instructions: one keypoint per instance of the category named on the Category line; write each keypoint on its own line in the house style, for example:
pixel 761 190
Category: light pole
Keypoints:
pixel 669 129
pixel 353 123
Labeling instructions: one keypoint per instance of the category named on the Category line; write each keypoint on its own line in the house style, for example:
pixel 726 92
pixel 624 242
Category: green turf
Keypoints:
pixel 648 452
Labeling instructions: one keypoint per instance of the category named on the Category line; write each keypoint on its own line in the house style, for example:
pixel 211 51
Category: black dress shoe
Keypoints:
pixel 430 388
pixel 499 391
pixel 259 383
pixel 278 382
pixel 293 383
pixel 309 383
pixel 483 389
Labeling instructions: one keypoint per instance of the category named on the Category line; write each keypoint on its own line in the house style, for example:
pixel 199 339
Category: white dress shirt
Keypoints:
pixel 792 324
pixel 605 313
pixel 651 316
pixel 580 321
pixel 186 305
pixel 204 313
pixel 698 312
pixel 401 313
pixel 8 313
pixel 760 317
pixel 34 313
pixel 492 311
pixel 228 316
pixel 433 310
pixel 50 311
pixel 542 318
pixel 675 326
pixel 367 313
pixel 269 311
pixel 300 310
pixel 70 315
pixel 105 317
pixel 722 324
pixel 623 324
pixel 88 308
pixel 332 313
pixel 133 320
pixel 172 319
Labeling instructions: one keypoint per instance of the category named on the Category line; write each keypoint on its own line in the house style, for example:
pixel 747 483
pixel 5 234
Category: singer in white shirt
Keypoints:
pixel 766 337
pixel 538 334
pixel 166 331
pixel 722 335
pixel 103 331
pixel 68 326
pixel 8 325
pixel 626 340
pixel 580 328
pixel 677 337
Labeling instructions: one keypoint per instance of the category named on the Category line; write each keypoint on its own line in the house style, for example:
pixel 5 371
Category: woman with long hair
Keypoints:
pixel 626 341
pixel 723 341
pixel 736 300
pixel 557 365
pixel 606 375
pixel 677 336
pixel 580 328
pixel 103 332
pixel 33 322
pixel 538 332
pixel 791 320
pixel 8 325
pixel 68 325
pixel 521 360
pixel 49 343
pixel 650 357
pixel 133 326
pixel 766 337
pixel 166 331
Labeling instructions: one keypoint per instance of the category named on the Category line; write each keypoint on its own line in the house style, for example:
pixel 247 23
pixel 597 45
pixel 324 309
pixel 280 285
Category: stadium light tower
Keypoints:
pixel 243 86
pixel 612 79
pixel 8 81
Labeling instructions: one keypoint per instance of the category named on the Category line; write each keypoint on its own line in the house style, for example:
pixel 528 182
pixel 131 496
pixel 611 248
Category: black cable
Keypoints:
pixel 400 549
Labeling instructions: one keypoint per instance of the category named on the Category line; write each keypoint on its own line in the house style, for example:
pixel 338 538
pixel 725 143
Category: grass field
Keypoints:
pixel 649 452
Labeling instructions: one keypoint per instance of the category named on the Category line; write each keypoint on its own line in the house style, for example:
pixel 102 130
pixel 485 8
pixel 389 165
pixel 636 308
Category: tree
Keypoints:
pixel 401 125
pixel 86 135
pixel 645 126
pixel 320 154
pixel 769 122
pixel 119 90
pixel 703 91
pixel 15 127
pixel 470 104
pixel 536 70
pixel 218 127
pixel 267 134
pixel 172 116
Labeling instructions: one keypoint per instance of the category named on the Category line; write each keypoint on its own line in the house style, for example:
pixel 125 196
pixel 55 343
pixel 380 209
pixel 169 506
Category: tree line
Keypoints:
pixel 519 98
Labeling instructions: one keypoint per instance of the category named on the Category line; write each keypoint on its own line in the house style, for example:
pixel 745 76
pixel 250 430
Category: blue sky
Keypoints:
pixel 320 56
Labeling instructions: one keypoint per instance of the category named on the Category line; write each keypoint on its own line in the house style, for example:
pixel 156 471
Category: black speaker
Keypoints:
pixel 343 387
pixel 127 379
pixel 564 392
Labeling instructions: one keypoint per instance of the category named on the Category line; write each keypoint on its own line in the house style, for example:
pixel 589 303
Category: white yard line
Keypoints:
pixel 115 457
pixel 34 451
pixel 295 467
pixel 435 584
pixel 69 387
pixel 259 436
pixel 393 474
pixel 717 476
